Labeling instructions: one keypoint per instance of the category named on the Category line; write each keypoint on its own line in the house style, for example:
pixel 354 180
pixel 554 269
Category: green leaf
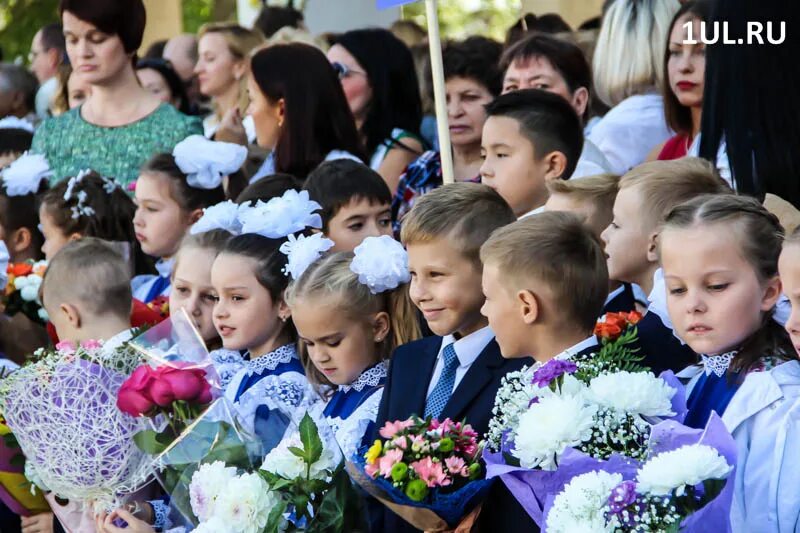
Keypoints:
pixel 150 442
pixel 712 489
pixel 299 453
pixel 340 509
pixel 309 436
pixel 276 518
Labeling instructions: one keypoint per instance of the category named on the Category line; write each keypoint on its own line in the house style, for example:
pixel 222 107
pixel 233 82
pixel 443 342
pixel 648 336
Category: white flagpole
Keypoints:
pixel 440 97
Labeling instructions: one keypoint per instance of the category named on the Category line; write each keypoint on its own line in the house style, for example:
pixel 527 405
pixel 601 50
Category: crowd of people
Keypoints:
pixel 612 168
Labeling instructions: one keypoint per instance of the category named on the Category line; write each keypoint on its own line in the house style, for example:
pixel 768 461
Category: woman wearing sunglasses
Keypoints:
pixel 379 80
pixel 301 114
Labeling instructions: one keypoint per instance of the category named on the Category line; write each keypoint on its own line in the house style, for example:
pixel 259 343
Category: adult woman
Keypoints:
pixel 380 82
pixel 122 124
pixel 684 74
pixel 158 77
pixel 472 80
pixel 300 114
pixel 627 72
pixel 221 70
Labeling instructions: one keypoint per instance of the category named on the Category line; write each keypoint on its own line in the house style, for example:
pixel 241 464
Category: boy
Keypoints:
pixel 647 193
pixel 456 373
pixel 86 292
pixel 592 199
pixel 356 202
pixel 530 137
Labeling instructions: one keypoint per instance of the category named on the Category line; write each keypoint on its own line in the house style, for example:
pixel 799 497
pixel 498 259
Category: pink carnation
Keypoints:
pixel 67 347
pixel 400 442
pixel 91 344
pixel 456 466
pixel 371 470
pixel 392 428
pixel 390 458
pixel 431 473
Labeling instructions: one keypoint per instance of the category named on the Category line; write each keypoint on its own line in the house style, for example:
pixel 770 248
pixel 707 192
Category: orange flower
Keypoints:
pixel 634 317
pixel 20 269
pixel 607 330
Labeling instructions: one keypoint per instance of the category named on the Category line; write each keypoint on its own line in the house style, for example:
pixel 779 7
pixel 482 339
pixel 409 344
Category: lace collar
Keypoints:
pixel 371 377
pixel 718 364
pixel 282 355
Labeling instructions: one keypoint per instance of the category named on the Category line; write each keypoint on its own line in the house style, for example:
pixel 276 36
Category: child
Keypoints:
pixel 348 333
pixel 455 374
pixel 23 181
pixel 720 260
pixel 171 193
pixel 16 136
pixel 646 194
pixel 531 137
pixel 356 202
pixel 592 199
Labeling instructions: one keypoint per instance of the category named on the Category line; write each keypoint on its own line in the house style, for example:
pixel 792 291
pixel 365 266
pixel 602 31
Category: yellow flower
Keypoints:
pixel 374 452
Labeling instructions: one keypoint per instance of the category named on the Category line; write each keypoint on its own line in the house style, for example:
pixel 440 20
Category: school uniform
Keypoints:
pixel 419 374
pixel 620 300
pixel 148 287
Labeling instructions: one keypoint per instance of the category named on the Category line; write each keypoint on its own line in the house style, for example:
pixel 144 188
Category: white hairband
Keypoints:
pixel 15 123
pixel 206 162
pixel 25 175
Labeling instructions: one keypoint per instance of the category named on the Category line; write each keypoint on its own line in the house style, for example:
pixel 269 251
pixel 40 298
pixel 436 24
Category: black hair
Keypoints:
pixel 546 119
pixel 176 87
pixel 188 198
pixel 520 28
pixel 335 184
pixel 590 24
pixel 475 58
pixel 273 18
pixel 123 18
pixel 269 187
pixel 156 50
pixel 17 212
pixel 13 140
pixel 389 65
pixel 270 265
pixel 749 99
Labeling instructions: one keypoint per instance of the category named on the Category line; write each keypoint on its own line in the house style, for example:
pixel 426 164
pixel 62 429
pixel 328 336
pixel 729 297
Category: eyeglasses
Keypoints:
pixel 343 71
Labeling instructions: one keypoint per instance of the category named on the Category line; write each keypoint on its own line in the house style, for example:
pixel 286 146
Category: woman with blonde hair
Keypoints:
pixel 222 69
pixel 627 76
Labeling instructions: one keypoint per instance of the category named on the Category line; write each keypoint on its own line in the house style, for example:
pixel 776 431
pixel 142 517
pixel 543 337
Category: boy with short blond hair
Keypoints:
pixel 646 194
pixel 455 374
pixel 591 198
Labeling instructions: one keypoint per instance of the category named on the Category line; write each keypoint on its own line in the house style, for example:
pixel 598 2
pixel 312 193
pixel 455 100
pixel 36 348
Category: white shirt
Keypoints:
pixel 723 164
pixel 536 211
pixel 467 351
pixel 631 130
pixel 211 125
pixel 592 162
pixel 44 97
pixel 268 166
pixel 141 284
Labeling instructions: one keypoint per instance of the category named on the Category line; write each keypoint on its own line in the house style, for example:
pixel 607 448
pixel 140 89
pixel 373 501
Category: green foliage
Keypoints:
pixel 19 22
pixel 618 355
pixel 196 13
pixel 459 18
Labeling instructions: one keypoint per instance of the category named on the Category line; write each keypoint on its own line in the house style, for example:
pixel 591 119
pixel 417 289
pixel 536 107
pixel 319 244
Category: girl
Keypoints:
pixel 380 82
pixel 23 182
pixel 348 328
pixel 171 193
pixel 158 77
pixel 720 260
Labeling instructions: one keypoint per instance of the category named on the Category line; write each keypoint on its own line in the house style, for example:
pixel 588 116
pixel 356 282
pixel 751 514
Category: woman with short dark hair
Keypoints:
pixel 123 124
pixel 158 77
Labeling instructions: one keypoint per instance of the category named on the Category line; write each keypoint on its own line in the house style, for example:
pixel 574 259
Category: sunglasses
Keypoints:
pixel 343 71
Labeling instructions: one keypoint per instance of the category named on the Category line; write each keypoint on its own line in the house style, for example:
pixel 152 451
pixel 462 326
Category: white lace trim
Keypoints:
pixel 284 393
pixel 369 378
pixel 718 364
pixel 227 364
pixel 282 355
pixel 349 432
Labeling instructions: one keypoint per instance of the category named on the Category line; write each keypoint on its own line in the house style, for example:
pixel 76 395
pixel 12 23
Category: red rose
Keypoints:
pixel 180 384
pixel 134 395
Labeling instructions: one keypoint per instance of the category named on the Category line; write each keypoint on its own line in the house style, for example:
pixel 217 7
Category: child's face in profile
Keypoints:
pixel 358 220
pixel 502 310
pixel 714 296
pixel 160 223
pixel 446 287
pixel 789 267
pixel 339 347
pixel 510 165
pixel 626 240
pixel 54 237
pixel 192 290
pixel 245 315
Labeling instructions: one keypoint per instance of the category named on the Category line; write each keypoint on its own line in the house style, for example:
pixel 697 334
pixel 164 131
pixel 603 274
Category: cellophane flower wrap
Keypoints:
pixel 684 485
pixel 62 412
pixel 176 391
pixel 22 290
pixel 425 470
pixel 569 416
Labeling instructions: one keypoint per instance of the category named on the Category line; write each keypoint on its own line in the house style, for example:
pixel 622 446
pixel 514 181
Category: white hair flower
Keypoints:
pixel 637 393
pixel 25 175
pixel 282 216
pixel 224 216
pixel 381 264
pixel 674 470
pixel 16 123
pixel 302 251
pixel 205 162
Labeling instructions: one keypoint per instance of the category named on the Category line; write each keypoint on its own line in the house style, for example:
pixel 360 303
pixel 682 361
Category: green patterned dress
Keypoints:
pixel 71 144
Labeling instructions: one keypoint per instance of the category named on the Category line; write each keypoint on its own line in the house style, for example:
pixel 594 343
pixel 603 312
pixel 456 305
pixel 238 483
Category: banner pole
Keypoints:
pixel 439 94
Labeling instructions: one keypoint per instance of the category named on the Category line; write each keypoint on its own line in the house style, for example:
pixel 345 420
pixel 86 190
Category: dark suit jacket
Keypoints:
pixel 406 391
pixel 661 348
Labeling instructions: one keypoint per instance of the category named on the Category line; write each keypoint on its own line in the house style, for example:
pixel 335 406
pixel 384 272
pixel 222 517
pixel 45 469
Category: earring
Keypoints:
pixel 284 318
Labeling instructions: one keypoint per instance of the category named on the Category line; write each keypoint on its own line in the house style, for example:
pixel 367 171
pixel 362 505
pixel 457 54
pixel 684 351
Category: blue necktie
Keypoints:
pixel 444 387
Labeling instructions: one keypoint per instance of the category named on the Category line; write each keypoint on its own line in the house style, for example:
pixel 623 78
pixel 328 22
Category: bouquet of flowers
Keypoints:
pixel 679 489
pixel 301 486
pixel 62 412
pixel 16 491
pixel 427 471
pixel 22 290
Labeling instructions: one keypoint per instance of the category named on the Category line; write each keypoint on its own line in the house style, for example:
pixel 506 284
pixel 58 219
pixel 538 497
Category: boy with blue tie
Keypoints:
pixel 456 373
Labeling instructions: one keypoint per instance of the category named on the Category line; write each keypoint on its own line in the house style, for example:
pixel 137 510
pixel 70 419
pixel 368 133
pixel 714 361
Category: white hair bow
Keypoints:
pixel 224 216
pixel 205 162
pixel 25 175
pixel 282 216
pixel 381 264
pixel 302 251
pixel 16 123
